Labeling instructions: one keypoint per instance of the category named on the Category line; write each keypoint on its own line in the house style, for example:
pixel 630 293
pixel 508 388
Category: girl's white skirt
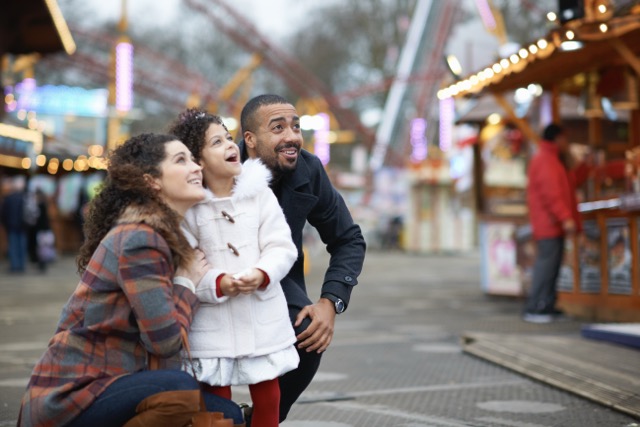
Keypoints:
pixel 244 370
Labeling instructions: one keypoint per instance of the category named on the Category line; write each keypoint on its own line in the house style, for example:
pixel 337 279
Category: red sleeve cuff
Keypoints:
pixel 218 289
pixel 266 280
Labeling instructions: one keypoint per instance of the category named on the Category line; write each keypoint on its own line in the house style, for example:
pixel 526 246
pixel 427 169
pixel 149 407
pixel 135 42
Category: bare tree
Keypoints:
pixel 351 43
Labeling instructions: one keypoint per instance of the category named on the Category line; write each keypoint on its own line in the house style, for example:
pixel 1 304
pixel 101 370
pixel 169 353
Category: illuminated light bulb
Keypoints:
pixel 41 159
pixel 504 63
pixel 570 35
pixel 494 119
pixel 533 49
pixel 79 165
pixel 67 164
pixel 26 163
pixel 542 44
pixel 514 59
pixel 602 8
pixel 603 28
pixel 496 68
pixel 523 53
pixel 551 16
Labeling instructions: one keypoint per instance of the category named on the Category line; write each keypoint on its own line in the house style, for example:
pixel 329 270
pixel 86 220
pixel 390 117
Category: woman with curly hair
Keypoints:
pixel 135 295
pixel 242 333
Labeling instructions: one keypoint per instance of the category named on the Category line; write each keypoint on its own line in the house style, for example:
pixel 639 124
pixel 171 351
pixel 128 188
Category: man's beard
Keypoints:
pixel 279 172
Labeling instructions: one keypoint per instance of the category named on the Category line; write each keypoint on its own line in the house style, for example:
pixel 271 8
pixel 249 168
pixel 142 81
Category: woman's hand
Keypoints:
pixel 197 269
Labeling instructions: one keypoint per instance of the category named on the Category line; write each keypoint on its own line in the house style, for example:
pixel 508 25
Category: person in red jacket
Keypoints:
pixel 553 212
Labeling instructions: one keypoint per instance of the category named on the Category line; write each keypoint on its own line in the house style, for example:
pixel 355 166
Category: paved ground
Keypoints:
pixel 396 359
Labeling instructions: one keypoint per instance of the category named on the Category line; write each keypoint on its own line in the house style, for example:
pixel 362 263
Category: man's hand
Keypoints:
pixel 569 227
pixel 319 334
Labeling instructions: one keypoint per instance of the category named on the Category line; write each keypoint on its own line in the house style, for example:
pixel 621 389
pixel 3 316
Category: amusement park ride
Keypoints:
pixel 170 82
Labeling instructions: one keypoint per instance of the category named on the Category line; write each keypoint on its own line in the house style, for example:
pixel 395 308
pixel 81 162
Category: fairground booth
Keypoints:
pixel 584 75
pixel 29 30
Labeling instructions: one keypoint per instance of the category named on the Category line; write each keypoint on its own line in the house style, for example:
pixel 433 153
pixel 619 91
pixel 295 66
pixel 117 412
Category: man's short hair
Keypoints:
pixel 247 116
pixel 552 131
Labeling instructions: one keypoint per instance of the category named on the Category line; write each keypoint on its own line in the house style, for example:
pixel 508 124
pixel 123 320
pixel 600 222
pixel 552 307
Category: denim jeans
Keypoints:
pixel 117 404
pixel 17 250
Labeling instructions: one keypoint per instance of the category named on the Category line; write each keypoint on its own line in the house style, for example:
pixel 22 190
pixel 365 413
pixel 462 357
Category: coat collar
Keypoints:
pixel 254 178
pixel 157 218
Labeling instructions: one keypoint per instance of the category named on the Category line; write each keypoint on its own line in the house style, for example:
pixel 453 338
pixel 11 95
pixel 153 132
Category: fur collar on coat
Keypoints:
pixel 254 178
pixel 167 225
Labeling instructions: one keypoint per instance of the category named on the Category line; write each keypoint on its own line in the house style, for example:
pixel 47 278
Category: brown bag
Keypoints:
pixel 181 408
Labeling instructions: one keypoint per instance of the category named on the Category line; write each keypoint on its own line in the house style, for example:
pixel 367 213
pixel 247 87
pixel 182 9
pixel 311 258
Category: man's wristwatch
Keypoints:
pixel 338 304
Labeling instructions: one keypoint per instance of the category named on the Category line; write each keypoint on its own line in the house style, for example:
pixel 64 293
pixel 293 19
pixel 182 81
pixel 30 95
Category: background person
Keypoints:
pixel 126 306
pixel 45 251
pixel 271 132
pixel 553 212
pixel 241 334
pixel 12 218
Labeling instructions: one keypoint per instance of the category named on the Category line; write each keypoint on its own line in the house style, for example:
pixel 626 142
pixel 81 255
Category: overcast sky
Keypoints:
pixel 474 47
pixel 275 17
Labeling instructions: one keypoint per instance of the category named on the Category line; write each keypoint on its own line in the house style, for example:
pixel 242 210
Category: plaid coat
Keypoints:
pixel 124 306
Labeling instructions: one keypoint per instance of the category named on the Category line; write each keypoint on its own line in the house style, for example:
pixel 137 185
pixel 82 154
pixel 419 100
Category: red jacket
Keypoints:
pixel 551 193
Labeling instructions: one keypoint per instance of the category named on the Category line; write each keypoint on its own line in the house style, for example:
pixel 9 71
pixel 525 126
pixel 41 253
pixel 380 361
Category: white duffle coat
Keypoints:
pixel 246 230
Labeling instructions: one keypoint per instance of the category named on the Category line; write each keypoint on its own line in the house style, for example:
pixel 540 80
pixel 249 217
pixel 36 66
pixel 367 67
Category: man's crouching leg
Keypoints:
pixel 293 383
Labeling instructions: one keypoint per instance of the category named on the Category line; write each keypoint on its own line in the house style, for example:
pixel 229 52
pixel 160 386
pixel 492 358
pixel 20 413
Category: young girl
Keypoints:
pixel 126 306
pixel 242 333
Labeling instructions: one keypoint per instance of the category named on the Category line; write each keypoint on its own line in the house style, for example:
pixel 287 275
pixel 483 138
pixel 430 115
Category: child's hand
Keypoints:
pixel 229 286
pixel 247 281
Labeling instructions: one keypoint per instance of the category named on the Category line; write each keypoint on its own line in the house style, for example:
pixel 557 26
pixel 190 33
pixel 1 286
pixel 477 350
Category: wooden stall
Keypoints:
pixel 595 59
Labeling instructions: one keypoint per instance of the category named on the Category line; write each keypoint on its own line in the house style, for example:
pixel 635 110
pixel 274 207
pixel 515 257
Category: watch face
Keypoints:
pixel 339 306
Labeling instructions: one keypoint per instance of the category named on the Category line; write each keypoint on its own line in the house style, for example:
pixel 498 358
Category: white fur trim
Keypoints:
pixel 254 178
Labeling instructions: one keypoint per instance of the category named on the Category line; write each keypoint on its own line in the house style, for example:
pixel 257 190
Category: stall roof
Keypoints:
pixel 33 26
pixel 545 62
pixel 571 107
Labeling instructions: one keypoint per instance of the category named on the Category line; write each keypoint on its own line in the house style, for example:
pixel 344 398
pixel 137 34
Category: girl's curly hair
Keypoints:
pixel 191 126
pixel 126 185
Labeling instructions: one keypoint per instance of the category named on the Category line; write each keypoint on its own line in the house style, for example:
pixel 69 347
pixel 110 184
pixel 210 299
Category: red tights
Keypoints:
pixel 265 397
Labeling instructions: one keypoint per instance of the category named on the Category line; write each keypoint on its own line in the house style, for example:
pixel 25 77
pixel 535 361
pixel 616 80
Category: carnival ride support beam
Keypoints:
pixel 398 91
pixel 523 125
pixel 626 53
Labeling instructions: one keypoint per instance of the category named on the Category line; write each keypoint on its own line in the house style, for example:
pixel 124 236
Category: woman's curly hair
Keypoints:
pixel 126 185
pixel 191 127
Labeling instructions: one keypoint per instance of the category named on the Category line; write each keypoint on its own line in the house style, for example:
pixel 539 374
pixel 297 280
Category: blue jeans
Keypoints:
pixel 17 250
pixel 117 404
